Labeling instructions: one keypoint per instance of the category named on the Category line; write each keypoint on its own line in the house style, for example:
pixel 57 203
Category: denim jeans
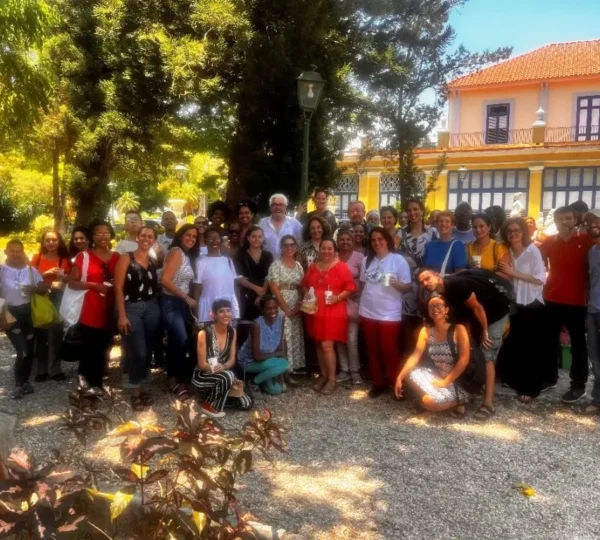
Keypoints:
pixel 176 319
pixel 348 352
pixel 593 332
pixel 144 318
pixel 22 335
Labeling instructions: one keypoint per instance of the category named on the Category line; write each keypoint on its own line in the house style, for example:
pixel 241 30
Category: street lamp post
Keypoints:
pixel 111 191
pixel 310 88
pixel 181 172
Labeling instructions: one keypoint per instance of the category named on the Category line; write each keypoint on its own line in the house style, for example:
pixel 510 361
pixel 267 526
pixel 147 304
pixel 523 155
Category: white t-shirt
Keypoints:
pixel 164 242
pixel 126 246
pixel 377 301
pixel 217 276
pixel 11 281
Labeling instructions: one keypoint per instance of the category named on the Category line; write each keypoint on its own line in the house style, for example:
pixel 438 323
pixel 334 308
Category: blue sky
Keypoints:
pixel 524 24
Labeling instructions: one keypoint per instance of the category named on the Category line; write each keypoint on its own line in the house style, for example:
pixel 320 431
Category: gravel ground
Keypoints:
pixel 358 468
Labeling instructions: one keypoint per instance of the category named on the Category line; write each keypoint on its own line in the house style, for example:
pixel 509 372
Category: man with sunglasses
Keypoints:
pixel 278 224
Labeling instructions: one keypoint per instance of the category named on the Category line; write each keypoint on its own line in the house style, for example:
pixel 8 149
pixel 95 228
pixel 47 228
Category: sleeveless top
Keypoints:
pixel 440 354
pixel 184 274
pixel 270 338
pixel 141 283
pixel 212 345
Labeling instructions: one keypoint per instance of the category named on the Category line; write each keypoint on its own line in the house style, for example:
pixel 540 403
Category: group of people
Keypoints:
pixel 248 307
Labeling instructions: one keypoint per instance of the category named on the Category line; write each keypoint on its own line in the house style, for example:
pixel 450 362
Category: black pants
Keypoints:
pixel 95 344
pixel 524 353
pixel 21 335
pixel 574 318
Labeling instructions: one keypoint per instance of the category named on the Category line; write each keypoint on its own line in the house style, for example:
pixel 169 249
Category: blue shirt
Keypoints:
pixel 594 264
pixel 464 236
pixel 435 253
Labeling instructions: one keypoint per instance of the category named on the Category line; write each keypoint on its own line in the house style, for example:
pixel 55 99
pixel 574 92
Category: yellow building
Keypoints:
pixel 529 125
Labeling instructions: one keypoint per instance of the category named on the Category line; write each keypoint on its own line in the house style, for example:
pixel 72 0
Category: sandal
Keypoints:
pixel 484 413
pixel 183 395
pixel 174 389
pixel 457 413
pixel 146 398
pixel 525 399
pixel 137 403
pixel 319 383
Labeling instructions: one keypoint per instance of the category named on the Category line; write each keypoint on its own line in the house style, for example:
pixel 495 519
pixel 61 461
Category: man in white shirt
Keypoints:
pixel 277 225
pixel 133 224
pixel 169 223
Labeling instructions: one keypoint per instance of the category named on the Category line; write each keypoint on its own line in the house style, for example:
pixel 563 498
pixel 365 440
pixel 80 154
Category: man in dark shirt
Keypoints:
pixel 481 300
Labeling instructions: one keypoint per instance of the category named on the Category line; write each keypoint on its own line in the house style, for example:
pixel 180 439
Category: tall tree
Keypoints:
pixel 23 85
pixel 407 49
pixel 266 149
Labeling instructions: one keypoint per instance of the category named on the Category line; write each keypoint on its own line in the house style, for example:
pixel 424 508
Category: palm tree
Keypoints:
pixel 127 201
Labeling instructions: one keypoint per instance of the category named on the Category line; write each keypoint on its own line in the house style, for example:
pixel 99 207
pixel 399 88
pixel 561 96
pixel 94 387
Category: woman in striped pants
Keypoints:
pixel 214 376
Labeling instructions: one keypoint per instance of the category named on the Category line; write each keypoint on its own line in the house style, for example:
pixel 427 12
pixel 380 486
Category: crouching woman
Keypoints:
pixel 264 352
pixel 214 377
pixel 446 349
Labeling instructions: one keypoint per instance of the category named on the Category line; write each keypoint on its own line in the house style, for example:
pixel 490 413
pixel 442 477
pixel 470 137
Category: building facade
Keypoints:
pixel 525 129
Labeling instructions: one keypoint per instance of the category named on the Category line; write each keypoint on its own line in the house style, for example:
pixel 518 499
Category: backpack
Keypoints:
pixel 472 378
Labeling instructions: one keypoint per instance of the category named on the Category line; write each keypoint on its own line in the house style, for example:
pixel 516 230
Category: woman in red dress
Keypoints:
pixel 332 282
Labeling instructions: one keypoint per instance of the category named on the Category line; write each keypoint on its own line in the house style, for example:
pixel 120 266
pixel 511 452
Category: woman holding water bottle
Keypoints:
pixel 332 283
pixel 485 252
pixel 315 231
pixel 386 276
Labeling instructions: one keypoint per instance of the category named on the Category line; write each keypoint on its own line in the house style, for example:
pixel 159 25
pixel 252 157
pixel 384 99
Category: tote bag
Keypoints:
pixel 43 312
pixel 72 302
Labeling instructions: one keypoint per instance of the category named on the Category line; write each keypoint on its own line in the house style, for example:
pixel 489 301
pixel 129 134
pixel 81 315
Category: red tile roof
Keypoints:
pixel 556 61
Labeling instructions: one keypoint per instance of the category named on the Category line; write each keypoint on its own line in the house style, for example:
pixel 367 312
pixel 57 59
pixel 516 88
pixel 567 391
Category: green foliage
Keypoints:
pixel 23 84
pixel 406 50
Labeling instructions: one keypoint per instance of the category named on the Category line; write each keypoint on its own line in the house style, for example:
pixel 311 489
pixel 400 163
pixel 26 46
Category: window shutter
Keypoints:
pixel 497 124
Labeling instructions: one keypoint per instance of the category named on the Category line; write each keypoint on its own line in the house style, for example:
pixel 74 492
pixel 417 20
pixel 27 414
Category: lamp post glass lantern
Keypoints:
pixel 310 88
pixel 181 172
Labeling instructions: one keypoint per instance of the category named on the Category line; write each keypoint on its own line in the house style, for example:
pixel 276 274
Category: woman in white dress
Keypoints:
pixel 215 279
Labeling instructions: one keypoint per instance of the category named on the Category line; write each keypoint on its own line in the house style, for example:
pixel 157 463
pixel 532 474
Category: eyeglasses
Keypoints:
pixel 514 231
pixel 436 307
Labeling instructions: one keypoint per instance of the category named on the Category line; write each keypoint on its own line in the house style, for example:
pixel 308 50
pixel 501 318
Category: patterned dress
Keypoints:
pixel 289 280
pixel 440 355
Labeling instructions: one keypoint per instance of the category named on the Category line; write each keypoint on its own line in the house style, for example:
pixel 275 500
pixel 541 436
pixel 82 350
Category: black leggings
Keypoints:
pixel 95 344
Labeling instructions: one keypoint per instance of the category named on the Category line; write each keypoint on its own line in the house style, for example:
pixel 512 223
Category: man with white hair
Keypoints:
pixel 277 225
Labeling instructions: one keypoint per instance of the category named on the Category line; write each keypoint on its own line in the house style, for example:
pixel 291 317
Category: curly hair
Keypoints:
pixel 324 225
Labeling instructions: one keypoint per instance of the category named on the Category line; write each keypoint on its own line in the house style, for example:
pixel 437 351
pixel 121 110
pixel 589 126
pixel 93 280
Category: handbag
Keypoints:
pixel 237 389
pixel 43 312
pixel 7 320
pixel 72 301
pixel 71 349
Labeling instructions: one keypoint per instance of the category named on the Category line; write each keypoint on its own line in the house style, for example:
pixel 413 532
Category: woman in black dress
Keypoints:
pixel 252 265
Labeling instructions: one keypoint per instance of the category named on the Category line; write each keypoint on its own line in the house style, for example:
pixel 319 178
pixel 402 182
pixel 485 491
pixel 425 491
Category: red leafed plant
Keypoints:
pixel 186 479
pixel 41 502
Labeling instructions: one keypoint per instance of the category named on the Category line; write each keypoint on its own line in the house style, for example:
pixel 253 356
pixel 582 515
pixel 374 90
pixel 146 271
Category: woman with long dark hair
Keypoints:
pixel 201 224
pixel 177 305
pixel 447 349
pixel 485 252
pixel 389 220
pixel 521 359
pixel 80 241
pixel 359 233
pixel 138 312
pixel 96 322
pixel 315 231
pixel 252 265
pixel 386 277
pixel 52 261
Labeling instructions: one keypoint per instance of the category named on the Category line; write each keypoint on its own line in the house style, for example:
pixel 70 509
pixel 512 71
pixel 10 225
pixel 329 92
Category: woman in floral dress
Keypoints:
pixel 285 278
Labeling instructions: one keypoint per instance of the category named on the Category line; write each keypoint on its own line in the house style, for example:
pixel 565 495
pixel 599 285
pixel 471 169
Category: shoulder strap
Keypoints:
pixel 38 258
pixel 450 338
pixel 447 258
pixel 132 258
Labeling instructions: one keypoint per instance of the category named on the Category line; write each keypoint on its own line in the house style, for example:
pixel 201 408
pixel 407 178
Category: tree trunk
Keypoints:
pixel 57 207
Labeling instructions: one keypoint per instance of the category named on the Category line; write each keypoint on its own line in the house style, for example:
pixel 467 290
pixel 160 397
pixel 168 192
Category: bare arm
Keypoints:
pixel 473 304
pixel 464 350
pixel 119 282
pixel 412 361
pixel 201 351
pixel 172 262
pixel 248 285
pixel 280 300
